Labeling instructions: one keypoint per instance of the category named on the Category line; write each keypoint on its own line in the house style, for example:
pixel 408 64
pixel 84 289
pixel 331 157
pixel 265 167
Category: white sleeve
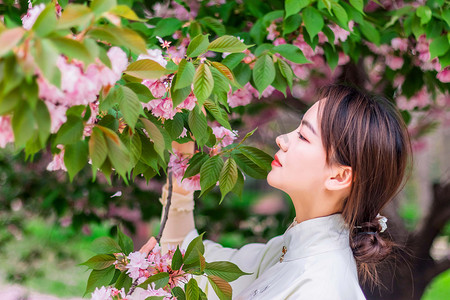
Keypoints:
pixel 252 258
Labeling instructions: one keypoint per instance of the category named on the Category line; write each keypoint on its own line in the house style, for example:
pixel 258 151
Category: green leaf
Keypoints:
pixel 217 113
pixel 133 144
pixel 177 259
pixel 99 278
pixel 358 4
pixel 125 242
pixel 203 83
pixel 75 157
pixel 221 83
pixel 43 121
pixel 225 270
pixel 263 72
pixel 197 46
pixel 292 23
pixel 46 21
pixel 424 13
pixel 249 167
pixel 292 7
pixel 286 71
pixel 232 60
pixel 179 293
pixel 439 46
pixel 195 163
pixel 260 158
pixel 155 134
pixel 120 37
pixel 214 24
pixel 195 246
pixel 105 245
pixel 125 12
pixel 149 155
pixel 446 16
pixel 221 287
pixel 145 69
pixel 224 70
pixel 331 55
pixel 143 93
pixel 100 261
pixel 242 73
pixel 71 131
pixel 198 125
pixel 185 74
pixel 227 43
pixel 166 27
pixel 45 55
pixel 75 15
pixel 72 49
pixel 130 106
pixel 98 150
pixel 175 126
pixel 160 280
pixel 370 32
pixel 101 6
pixel 124 281
pixel 195 29
pixel 115 96
pixel 341 15
pixel 228 177
pixel 9 39
pixel 291 52
pixel 178 96
pixel 279 83
pixel 192 290
pixel 22 124
pixel 239 186
pixel 313 21
pixel 117 152
pixel 210 171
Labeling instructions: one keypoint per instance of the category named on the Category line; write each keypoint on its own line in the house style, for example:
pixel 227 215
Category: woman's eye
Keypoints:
pixel 301 136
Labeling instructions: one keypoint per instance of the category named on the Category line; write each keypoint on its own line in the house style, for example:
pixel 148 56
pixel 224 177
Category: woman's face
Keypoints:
pixel 302 167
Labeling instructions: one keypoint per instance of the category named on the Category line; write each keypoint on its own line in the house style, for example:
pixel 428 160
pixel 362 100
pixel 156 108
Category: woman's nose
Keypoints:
pixel 282 141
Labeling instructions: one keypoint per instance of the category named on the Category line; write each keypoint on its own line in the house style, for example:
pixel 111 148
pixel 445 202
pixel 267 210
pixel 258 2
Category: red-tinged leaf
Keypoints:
pixel 9 38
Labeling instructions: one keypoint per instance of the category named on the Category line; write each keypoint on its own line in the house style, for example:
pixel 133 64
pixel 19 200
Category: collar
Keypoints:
pixel 316 236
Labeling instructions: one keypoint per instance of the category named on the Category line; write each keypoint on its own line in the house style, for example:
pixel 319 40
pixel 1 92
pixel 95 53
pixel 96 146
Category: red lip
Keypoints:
pixel 276 162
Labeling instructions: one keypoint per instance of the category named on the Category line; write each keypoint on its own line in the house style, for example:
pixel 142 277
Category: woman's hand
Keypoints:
pixel 148 246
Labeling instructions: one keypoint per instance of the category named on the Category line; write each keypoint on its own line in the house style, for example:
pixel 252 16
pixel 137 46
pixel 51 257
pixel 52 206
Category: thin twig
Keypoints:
pixel 166 209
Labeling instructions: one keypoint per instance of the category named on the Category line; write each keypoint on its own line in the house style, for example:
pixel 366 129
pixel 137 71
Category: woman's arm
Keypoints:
pixel 181 212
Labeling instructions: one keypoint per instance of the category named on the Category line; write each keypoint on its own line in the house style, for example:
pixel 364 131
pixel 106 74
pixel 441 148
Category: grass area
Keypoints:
pixel 46 258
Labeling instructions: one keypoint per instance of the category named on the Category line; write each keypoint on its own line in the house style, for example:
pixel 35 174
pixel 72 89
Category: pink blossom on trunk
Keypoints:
pixel 6 132
pixel 58 161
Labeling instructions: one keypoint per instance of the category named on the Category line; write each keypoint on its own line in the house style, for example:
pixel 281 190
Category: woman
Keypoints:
pixel 341 166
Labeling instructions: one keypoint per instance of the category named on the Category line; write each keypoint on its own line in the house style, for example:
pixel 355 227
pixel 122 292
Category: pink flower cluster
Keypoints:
pixel 31 16
pixel 244 96
pixel 179 166
pixel 111 293
pixel 224 136
pixel 58 161
pixel 6 132
pixel 79 87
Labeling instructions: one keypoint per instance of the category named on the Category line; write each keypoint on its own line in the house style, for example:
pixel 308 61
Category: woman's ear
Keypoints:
pixel 341 177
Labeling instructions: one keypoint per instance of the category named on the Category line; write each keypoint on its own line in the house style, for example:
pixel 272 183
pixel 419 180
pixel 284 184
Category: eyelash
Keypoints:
pixel 301 136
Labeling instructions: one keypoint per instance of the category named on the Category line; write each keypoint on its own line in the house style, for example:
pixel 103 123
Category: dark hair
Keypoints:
pixel 369 135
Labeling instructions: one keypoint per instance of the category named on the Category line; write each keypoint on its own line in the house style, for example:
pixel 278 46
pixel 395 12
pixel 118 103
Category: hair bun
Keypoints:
pixel 367 244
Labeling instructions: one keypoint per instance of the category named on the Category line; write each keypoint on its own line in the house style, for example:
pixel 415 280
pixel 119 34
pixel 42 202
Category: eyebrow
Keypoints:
pixel 307 124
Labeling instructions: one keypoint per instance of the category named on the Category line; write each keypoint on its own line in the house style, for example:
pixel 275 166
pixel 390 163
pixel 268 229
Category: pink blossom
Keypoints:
pixel 57 115
pixel 92 119
pixel 279 41
pixel 273 33
pixel 156 87
pixel 183 133
pixel 155 55
pixel 119 60
pixel 322 37
pixel 159 292
pixel 161 108
pixel 225 136
pixel 343 59
pixel 6 132
pixel 444 75
pixel 240 97
pixel 301 71
pixel 101 294
pixel 58 161
pixel 137 262
pixel 339 33
pixel 394 62
pixel 423 48
pixel 179 166
pixel 304 46
pixel 399 44
pixel 188 103
pixel 421 99
pixel 31 16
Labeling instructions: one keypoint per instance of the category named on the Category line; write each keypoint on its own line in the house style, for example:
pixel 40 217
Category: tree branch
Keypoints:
pixel 439 267
pixel 166 210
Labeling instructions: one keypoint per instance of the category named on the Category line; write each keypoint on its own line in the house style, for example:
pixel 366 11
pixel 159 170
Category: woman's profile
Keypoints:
pixel 341 166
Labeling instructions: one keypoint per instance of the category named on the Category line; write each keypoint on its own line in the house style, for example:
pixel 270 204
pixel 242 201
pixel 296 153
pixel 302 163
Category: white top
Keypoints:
pixel 318 264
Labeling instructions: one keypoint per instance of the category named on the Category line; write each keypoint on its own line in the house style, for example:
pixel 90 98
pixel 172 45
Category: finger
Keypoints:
pixel 151 243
